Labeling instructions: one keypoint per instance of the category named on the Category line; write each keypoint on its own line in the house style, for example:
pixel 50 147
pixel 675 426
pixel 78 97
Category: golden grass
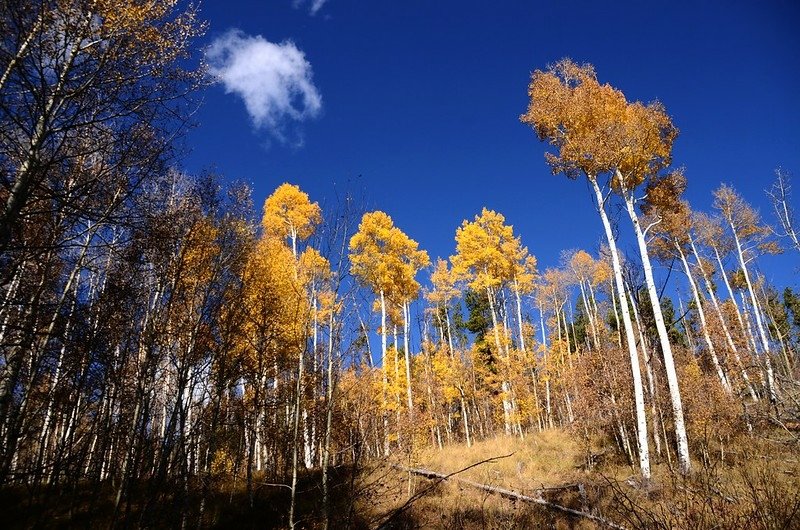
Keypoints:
pixel 757 486
pixel 540 460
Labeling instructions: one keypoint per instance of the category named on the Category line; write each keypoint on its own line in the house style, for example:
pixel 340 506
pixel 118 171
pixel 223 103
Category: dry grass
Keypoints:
pixel 540 460
pixel 756 487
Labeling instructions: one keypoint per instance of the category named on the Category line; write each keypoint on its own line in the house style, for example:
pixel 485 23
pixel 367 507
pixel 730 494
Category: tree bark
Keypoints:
pixel 638 390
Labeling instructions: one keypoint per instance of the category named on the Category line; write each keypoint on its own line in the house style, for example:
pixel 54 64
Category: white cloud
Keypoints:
pixel 273 80
pixel 315 5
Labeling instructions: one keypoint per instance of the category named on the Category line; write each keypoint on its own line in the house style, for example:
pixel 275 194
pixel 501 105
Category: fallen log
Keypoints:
pixel 509 494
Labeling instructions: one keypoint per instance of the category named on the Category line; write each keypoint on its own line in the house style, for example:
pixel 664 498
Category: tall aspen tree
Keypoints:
pixel 583 120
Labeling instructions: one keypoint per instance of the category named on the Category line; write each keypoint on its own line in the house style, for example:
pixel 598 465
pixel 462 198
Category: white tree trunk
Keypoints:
pixel 666 347
pixel 723 323
pixel 505 387
pixel 638 390
pixel 406 330
pixel 702 314
pixel 773 391
pixel 548 407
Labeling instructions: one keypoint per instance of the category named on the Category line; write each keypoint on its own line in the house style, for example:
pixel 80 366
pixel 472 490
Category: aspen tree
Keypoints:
pixel 386 260
pixel 699 222
pixel 482 258
pixel 444 291
pixel 711 234
pixel 571 110
pixel 79 68
pixel 582 265
pixel 670 218
pixel 749 236
pixel 290 214
pixel 315 274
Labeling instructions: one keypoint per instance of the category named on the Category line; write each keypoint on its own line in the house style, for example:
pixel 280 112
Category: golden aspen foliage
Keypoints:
pixel 313 269
pixel 712 414
pixel 160 38
pixel 524 272
pixel 444 283
pixel 595 129
pixel 602 273
pixel 395 369
pixel 272 300
pixel 385 259
pixel 290 214
pixel 197 261
pixel 744 220
pixel 485 251
pixel 583 265
pixel 669 217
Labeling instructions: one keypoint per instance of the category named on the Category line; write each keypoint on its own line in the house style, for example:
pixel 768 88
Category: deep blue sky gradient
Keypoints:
pixel 421 99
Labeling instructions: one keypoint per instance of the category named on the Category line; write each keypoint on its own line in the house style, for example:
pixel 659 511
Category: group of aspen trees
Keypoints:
pixel 159 338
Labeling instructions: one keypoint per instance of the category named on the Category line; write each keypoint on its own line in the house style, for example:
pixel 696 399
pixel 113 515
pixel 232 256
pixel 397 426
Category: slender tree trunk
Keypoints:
pixel 589 315
pixel 771 388
pixel 406 330
pixel 704 326
pixel 295 438
pixel 728 338
pixel 638 390
pixel 449 331
pixel 651 386
pixel 465 417
pixel 666 347
pixel 505 387
pixel 748 336
pixel 548 408
pixel 385 375
pixel 616 315
pixel 326 452
pixel 519 316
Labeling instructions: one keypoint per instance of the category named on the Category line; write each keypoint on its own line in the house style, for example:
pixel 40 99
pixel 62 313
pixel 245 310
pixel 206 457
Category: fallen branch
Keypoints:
pixel 438 480
pixel 509 494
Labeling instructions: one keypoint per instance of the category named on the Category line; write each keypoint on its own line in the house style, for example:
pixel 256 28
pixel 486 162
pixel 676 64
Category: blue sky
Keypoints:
pixel 415 104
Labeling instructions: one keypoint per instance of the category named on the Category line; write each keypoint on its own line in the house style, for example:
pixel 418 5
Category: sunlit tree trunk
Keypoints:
pixel 548 407
pixel 589 314
pixel 703 325
pixel 638 391
pixel 519 316
pixel 728 338
pixel 771 388
pixel 505 387
pixel 616 315
pixel 385 375
pixel 744 327
pixel 666 347
pixel 329 404
pixel 651 386
pixel 406 330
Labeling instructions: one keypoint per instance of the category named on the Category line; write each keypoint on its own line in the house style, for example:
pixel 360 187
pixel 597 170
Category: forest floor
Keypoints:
pixel 756 484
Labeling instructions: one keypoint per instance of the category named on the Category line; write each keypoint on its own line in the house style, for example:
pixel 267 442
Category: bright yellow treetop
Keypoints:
pixel 290 214
pixel 595 129
pixel 385 259
pixel 444 284
pixel 486 251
